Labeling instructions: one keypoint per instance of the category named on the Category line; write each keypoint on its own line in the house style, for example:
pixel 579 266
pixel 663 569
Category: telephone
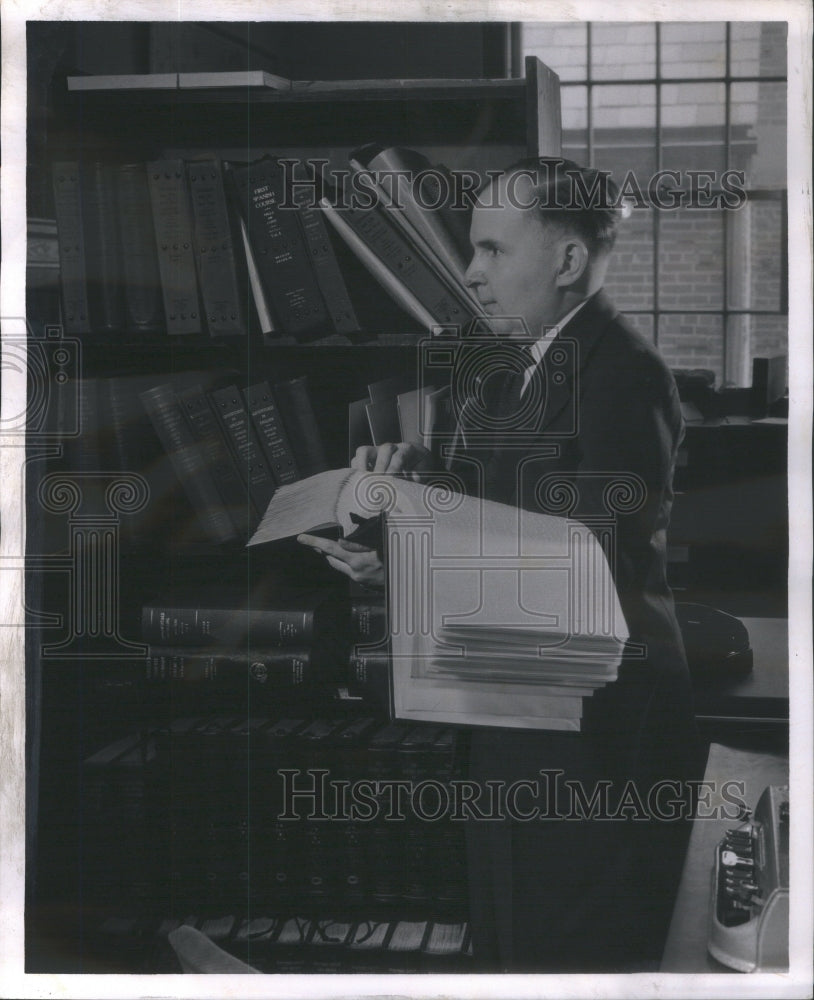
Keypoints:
pixel 749 903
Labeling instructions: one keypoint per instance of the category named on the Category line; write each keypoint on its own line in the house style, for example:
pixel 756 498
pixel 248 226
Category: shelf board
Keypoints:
pixel 314 92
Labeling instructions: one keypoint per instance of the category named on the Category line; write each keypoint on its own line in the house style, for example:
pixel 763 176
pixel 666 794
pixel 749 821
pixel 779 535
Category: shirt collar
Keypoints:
pixel 540 346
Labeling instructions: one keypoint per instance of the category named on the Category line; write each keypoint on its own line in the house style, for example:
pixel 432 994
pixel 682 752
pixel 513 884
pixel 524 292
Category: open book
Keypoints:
pixel 498 616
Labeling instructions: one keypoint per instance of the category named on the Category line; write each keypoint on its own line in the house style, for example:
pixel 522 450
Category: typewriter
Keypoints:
pixel 749 904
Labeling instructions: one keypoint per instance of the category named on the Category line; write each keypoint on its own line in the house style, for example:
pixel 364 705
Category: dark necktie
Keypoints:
pixel 496 410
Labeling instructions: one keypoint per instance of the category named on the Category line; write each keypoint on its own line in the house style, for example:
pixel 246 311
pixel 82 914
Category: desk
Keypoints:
pixel 686 947
pixel 734 708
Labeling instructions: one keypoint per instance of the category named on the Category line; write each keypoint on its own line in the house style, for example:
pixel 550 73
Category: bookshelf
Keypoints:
pixel 464 124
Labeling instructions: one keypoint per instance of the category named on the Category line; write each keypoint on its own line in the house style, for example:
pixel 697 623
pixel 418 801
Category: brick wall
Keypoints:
pixel 691 242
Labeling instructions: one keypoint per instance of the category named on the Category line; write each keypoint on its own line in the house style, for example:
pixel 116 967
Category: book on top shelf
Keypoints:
pixel 498 616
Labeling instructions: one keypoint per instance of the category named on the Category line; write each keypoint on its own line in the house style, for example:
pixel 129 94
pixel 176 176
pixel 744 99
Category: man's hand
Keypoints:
pixel 397 459
pixel 362 565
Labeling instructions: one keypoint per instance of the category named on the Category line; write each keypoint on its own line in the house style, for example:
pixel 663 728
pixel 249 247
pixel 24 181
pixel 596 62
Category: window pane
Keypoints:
pixel 574 103
pixel 693 341
pixel 758 133
pixel 758 48
pixel 624 130
pixel 693 49
pixel 629 281
pixel 691 259
pixel 693 120
pixel 749 337
pixel 756 255
pixel 562 47
pixel 625 51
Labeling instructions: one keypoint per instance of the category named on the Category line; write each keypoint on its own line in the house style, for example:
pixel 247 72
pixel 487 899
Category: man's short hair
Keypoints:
pixel 582 201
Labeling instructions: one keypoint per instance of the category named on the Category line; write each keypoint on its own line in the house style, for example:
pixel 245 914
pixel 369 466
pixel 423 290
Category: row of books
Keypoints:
pixel 247 650
pixel 290 943
pixel 195 434
pixel 198 813
pixel 232 447
pixel 173 245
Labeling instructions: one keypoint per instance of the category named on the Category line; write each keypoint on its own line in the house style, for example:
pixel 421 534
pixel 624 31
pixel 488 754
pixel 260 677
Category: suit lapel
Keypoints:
pixel 569 353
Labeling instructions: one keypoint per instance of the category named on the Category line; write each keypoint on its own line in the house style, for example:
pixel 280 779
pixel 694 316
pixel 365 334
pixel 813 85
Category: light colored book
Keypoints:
pixel 233 78
pixel 124 81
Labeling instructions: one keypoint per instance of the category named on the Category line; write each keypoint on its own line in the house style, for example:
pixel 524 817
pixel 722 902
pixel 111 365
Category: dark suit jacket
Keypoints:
pixel 600 447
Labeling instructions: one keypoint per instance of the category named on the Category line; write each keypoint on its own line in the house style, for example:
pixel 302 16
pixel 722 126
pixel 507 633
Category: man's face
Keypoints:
pixel 514 268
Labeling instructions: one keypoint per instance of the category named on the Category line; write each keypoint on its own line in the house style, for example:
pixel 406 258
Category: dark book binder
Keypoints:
pixel 271 433
pixel 279 249
pixel 386 850
pixel 169 194
pixel 370 678
pixel 233 416
pixel 71 240
pixel 214 250
pixel 189 461
pixel 221 462
pixel 102 250
pixel 143 309
pixel 234 619
pixel 297 410
pixel 323 260
pixel 402 259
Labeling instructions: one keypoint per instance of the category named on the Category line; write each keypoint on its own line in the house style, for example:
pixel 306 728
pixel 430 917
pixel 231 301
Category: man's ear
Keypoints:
pixel 574 259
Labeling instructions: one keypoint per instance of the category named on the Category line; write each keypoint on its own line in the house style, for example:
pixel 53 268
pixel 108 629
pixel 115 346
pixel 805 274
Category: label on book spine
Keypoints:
pixel 271 434
pixel 279 250
pixel 194 626
pixel 142 283
pixel 72 276
pixel 214 250
pixel 173 232
pixel 234 418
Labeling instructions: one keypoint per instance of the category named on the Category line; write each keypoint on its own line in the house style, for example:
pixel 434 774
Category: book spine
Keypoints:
pixel 102 252
pixel 142 283
pixel 402 260
pixel 72 273
pixel 215 250
pixel 187 458
pixel 207 430
pixel 323 840
pixel 172 220
pixel 368 622
pixel 387 838
pixel 276 845
pixel 323 260
pixel 191 626
pixel 261 672
pixel 417 758
pixel 279 250
pixel 254 469
pixel 271 435
pixel 390 282
pixel 370 677
pixel 299 419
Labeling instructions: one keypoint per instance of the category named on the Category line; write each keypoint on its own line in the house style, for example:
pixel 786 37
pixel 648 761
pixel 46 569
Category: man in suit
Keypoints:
pixel 586 424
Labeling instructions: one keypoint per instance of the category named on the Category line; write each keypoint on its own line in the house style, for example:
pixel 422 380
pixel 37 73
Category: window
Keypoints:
pixel 707 285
